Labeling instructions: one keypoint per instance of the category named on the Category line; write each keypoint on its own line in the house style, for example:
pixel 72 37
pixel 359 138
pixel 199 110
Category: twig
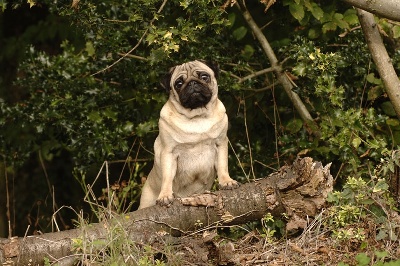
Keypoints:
pixel 127 160
pixel 50 187
pixel 8 212
pixel 237 158
pixel 266 166
pixel 248 140
pixel 255 74
pixel 266 88
pixel 133 56
pixel 276 129
pixel 230 74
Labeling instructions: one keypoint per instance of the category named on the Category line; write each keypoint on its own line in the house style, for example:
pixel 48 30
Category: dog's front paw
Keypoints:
pixel 165 200
pixel 228 183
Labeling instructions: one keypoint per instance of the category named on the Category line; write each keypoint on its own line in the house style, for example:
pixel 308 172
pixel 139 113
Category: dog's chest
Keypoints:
pixel 195 167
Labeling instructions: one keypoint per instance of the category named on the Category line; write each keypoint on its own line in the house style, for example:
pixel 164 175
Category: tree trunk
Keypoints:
pixel 381 58
pixel 298 191
pixel 388 9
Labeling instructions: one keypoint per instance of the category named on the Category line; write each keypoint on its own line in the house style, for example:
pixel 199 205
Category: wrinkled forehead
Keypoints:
pixel 190 69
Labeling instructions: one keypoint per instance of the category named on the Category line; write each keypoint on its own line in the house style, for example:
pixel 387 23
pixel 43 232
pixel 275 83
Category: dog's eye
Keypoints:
pixel 204 76
pixel 178 84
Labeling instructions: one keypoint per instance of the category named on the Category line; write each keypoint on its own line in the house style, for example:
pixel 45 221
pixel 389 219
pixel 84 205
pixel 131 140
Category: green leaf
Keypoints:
pixel 372 79
pixel 338 19
pixel 394 122
pixel 350 16
pixel 110 114
pixel 239 33
pixel 317 12
pixel 381 254
pixel 297 11
pixel 396 31
pixel 95 117
pixel 388 109
pixel 128 127
pixel 314 33
pixel 381 185
pixel 90 48
pixel 294 125
pixel 329 26
pixel 300 69
pixel 144 128
pixel 247 51
pixel 382 234
pixel 231 18
pixel 362 259
pixel 374 93
pixel 356 142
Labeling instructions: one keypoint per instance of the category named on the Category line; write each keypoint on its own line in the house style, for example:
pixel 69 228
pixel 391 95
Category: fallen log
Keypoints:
pixel 298 191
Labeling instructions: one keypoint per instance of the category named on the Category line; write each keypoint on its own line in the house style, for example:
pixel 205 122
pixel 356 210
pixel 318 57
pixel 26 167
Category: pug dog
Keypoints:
pixel 192 146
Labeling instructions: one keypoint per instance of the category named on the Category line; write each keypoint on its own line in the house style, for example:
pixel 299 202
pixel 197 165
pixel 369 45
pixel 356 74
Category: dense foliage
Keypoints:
pixel 80 84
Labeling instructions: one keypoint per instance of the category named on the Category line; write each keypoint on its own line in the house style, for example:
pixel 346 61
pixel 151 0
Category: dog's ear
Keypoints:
pixel 166 80
pixel 213 65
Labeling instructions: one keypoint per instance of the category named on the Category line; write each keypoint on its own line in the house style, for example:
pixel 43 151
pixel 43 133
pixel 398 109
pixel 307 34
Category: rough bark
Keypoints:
pixel 381 58
pixel 282 78
pixel 388 9
pixel 299 191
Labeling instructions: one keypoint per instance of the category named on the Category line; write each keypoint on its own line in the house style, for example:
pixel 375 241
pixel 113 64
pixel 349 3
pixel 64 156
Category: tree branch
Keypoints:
pixel 388 9
pixel 282 78
pixel 381 58
pixel 299 191
pixel 255 74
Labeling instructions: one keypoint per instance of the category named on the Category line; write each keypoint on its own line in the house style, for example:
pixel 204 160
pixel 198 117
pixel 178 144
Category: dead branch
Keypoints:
pixel 296 192
pixel 388 9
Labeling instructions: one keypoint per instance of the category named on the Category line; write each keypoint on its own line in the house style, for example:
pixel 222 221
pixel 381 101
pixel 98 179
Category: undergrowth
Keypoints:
pixel 360 226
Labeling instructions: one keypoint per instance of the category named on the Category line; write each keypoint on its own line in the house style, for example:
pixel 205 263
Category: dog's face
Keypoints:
pixel 193 84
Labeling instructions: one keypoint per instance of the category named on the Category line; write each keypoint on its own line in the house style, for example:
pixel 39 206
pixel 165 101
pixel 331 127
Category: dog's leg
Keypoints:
pixel 149 191
pixel 168 166
pixel 224 180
